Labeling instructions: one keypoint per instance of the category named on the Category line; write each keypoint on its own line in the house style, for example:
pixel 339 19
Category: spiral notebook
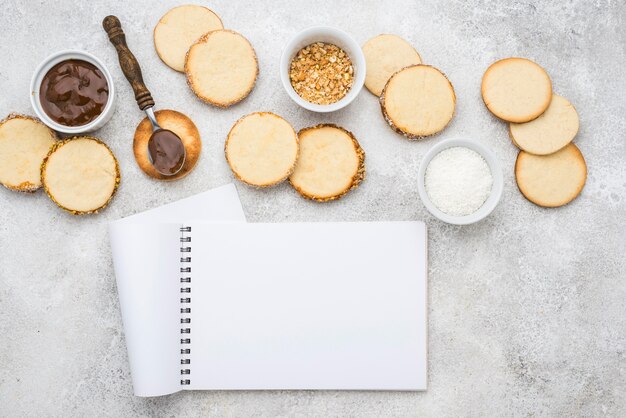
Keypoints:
pixel 236 306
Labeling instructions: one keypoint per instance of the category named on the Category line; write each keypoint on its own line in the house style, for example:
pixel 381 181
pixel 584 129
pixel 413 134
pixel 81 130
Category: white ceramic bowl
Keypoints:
pixel 329 35
pixel 43 69
pixel 496 189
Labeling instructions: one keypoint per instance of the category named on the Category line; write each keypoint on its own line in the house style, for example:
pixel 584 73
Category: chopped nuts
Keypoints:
pixel 321 73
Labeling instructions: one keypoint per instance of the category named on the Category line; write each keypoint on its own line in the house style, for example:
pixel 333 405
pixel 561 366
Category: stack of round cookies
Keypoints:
pixel 416 100
pixel 322 163
pixel 550 170
pixel 220 65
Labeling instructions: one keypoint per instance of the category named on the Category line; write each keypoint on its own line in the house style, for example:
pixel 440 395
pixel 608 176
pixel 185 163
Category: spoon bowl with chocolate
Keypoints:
pixel 165 149
pixel 72 92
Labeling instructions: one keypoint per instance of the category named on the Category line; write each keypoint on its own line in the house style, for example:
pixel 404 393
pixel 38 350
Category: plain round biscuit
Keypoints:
pixel 516 89
pixel 80 168
pixel 550 132
pixel 24 143
pixel 418 101
pixel 385 55
pixel 261 149
pixel 182 126
pixel 320 156
pixel 551 180
pixel 221 68
pixel 178 29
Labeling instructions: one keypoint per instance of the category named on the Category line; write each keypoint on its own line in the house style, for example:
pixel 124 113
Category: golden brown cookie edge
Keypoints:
pixel 408 135
pixel 60 144
pixel 358 177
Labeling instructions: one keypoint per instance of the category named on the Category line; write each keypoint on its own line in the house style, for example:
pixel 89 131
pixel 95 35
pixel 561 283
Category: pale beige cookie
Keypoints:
pixel 80 174
pixel 418 101
pixel 516 89
pixel 385 55
pixel 551 180
pixel 261 149
pixel 178 29
pixel 221 68
pixel 550 132
pixel 24 143
pixel 182 126
pixel 331 163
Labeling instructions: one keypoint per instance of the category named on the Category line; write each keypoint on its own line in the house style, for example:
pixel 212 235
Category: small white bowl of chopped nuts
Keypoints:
pixel 322 69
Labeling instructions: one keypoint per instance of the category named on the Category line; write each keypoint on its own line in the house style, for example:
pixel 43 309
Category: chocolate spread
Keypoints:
pixel 167 151
pixel 74 93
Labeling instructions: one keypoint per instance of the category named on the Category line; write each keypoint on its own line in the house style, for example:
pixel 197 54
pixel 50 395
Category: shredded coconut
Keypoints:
pixel 458 181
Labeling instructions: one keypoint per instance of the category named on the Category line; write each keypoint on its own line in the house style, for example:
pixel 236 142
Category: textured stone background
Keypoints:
pixel 527 308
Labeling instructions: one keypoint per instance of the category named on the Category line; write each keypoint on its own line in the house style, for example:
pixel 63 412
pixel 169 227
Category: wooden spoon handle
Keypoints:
pixel 128 62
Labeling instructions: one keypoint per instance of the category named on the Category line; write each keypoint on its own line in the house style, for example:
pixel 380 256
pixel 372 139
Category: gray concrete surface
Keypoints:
pixel 527 309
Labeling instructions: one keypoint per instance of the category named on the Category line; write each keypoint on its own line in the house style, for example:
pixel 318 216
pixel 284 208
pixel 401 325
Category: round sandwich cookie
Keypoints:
pixel 182 126
pixel 550 132
pixel 80 174
pixel 261 149
pixel 331 163
pixel 516 89
pixel 418 101
pixel 385 55
pixel 24 143
pixel 178 29
pixel 551 180
pixel 221 68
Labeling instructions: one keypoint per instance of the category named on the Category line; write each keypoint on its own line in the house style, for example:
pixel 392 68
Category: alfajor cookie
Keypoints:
pixel 24 143
pixel 418 101
pixel 221 68
pixel 331 163
pixel 178 29
pixel 80 175
pixel 516 89
pixel 385 55
pixel 550 132
pixel 261 149
pixel 551 180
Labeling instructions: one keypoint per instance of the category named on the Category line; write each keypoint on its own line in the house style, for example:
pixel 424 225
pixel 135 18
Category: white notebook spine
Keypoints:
pixel 185 305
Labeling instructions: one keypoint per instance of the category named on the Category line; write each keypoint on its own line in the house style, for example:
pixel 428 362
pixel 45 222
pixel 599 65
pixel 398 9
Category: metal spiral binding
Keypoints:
pixel 185 289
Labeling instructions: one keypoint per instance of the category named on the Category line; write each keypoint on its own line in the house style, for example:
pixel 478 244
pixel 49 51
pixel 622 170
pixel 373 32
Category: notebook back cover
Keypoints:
pixel 145 250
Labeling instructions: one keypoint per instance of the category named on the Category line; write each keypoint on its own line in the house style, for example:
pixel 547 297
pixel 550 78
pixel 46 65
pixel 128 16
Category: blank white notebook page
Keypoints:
pixel 308 306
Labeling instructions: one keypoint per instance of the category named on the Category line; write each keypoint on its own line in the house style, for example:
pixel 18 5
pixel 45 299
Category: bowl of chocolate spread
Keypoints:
pixel 72 92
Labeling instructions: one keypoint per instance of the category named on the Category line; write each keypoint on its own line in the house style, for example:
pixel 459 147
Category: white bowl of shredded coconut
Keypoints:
pixel 460 181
